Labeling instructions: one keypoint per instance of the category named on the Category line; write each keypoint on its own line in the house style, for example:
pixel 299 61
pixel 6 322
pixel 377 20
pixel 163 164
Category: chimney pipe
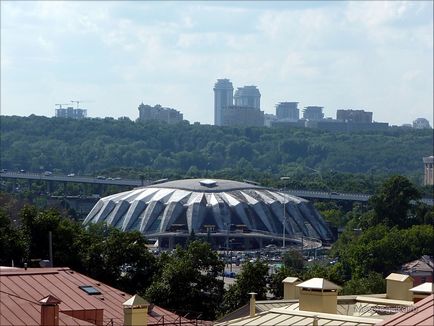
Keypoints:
pixel 290 290
pixel 252 304
pixel 136 311
pixel 50 248
pixel 49 311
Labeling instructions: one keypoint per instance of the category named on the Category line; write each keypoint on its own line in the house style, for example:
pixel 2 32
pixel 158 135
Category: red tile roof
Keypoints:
pixel 421 314
pixel 22 289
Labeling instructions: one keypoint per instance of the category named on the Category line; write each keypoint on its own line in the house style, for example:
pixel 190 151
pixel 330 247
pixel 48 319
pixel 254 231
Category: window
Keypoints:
pixel 89 289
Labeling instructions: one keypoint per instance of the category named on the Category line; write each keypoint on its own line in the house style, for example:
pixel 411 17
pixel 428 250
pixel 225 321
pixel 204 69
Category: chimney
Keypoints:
pixel 252 304
pixel 49 311
pixel 290 291
pixel 319 295
pixel 422 291
pixel 398 287
pixel 136 311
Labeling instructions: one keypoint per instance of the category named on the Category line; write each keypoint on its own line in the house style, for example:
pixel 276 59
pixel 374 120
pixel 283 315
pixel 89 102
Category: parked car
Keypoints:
pixel 71 175
pixel 101 177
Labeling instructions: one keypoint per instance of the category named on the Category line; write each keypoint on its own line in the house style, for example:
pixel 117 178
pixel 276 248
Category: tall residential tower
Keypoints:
pixel 223 98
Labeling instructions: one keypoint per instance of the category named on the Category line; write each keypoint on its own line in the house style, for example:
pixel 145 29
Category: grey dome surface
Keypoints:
pixel 216 208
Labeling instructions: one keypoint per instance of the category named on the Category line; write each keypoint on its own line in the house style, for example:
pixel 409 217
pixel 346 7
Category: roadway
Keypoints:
pixel 308 194
pixel 74 179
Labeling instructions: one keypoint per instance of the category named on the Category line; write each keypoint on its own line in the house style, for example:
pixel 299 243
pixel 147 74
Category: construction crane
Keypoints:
pixel 79 101
pixel 60 105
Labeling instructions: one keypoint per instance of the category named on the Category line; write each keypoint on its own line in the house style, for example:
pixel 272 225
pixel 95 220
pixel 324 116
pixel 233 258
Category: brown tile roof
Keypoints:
pixel 16 311
pixel 421 314
pixel 424 264
pixel 21 290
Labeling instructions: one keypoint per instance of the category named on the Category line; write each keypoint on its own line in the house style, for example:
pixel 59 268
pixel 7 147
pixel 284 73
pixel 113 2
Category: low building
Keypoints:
pixel 421 123
pixel 71 113
pixel 61 296
pixel 421 270
pixel 159 113
pixel 428 177
pixel 343 126
pixel 242 116
pixel 316 302
pixel 289 124
pixel 269 119
pixel 358 116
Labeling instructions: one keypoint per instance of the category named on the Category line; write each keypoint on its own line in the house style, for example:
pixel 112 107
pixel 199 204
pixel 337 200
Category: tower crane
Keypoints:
pixel 60 105
pixel 78 102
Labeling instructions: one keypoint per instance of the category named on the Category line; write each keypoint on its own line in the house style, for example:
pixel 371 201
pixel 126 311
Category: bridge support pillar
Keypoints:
pixel 171 243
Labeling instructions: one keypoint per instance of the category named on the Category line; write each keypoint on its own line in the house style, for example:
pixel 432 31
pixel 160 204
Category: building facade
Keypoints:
pixel 428 178
pixel 313 113
pixel 242 116
pixel 159 113
pixel 248 96
pixel 287 111
pixel 241 109
pixel 71 113
pixel 358 116
pixel 223 98
pixel 421 123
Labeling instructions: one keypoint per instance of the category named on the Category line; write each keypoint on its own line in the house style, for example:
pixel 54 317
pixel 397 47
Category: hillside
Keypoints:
pixel 93 145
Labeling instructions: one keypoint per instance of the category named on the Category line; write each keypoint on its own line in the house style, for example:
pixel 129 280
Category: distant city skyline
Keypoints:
pixel 111 56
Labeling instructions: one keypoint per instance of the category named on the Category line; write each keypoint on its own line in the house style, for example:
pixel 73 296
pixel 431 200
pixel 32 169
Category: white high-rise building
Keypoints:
pixel 248 96
pixel 287 111
pixel 223 98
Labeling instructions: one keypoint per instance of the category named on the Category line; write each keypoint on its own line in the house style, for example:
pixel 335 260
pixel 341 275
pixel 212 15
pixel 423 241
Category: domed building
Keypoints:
pixel 238 214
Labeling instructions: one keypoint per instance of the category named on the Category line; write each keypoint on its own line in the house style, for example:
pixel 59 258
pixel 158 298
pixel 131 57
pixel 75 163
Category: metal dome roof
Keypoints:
pixel 213 207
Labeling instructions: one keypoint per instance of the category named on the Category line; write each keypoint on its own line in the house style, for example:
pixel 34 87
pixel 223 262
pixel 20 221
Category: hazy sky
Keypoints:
pixel 372 55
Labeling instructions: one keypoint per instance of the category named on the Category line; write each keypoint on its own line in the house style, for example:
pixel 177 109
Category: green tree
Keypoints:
pixel 12 241
pixel 372 283
pixel 252 278
pixel 393 201
pixel 118 258
pixel 276 285
pixel 293 259
pixel 188 281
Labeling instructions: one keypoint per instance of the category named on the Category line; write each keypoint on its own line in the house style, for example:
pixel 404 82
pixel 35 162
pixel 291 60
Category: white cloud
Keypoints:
pixel 358 53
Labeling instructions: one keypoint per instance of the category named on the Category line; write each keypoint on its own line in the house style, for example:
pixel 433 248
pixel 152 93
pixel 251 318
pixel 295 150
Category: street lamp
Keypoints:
pixel 284 209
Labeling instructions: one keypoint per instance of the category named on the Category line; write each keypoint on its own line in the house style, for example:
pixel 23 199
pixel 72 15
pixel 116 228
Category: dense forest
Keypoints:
pixel 153 150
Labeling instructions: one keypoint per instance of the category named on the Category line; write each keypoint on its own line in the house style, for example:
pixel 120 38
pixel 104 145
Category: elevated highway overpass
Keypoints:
pixel 308 194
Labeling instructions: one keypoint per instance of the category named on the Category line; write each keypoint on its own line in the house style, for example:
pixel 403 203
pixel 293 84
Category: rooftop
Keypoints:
pixel 21 290
pixel 422 313
pixel 205 185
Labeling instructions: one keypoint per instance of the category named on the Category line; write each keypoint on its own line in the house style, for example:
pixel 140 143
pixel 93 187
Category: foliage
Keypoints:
pixel 383 250
pixel 372 283
pixel 293 259
pixel 392 202
pixel 12 242
pixel 118 258
pixel 157 150
pixel 252 278
pixel 275 285
pixel 187 281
